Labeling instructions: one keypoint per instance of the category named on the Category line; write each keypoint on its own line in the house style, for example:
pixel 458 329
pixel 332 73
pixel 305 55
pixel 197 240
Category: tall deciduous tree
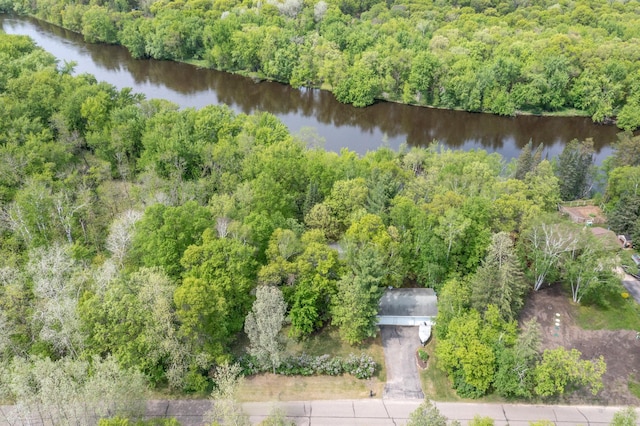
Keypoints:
pixel 121 233
pixel 164 233
pixel 148 339
pixel 466 357
pixel 71 391
pixel 263 325
pixel 544 243
pixel 57 288
pixel 225 408
pixel 215 294
pixel 561 368
pixel 585 264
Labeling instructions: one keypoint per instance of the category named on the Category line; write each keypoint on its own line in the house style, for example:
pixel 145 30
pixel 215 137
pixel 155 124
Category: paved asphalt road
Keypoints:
pixel 380 412
pixel 632 285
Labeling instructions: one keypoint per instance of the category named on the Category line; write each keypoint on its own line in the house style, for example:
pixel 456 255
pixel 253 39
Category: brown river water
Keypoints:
pixel 337 125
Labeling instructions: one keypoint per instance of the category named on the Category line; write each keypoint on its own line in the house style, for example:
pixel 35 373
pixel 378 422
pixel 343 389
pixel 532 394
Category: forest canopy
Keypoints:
pixel 498 56
pixel 138 235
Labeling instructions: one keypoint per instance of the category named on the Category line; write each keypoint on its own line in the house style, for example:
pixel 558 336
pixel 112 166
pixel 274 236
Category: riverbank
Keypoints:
pixel 314 115
pixel 513 86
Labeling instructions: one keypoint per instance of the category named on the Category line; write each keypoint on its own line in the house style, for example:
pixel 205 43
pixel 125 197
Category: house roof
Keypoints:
pixel 409 302
pixel 607 236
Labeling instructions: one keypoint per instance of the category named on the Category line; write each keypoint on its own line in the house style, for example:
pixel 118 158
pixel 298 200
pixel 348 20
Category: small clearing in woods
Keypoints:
pixel 620 348
pixel 586 212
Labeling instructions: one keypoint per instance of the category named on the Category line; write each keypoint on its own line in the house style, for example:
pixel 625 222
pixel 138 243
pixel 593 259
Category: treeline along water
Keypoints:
pixel 340 125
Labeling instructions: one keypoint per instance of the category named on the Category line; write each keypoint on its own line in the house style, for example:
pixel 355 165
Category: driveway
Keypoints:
pixel 400 345
pixel 632 285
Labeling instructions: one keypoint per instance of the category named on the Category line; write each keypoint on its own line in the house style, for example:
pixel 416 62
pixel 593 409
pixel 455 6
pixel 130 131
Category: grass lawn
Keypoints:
pixel 435 383
pixel 634 385
pixel 271 387
pixel 623 314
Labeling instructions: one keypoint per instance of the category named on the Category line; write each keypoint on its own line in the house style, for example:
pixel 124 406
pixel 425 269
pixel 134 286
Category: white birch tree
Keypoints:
pixel 70 391
pixel 225 408
pixel 263 325
pixel 56 286
pixel 121 234
pixel 544 245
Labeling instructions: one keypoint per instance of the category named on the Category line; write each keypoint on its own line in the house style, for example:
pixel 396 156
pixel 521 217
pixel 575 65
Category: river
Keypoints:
pixel 335 125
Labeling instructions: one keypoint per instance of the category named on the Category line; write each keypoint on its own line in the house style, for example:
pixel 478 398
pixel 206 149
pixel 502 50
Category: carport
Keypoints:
pixel 400 313
pixel 408 307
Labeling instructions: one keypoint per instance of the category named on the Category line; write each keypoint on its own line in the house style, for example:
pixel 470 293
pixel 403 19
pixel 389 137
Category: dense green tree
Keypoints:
pixel 561 368
pixel 574 170
pixel 355 304
pixel 318 270
pixel 215 294
pixel 528 160
pixel 133 319
pixel 98 26
pixel 499 281
pixel 164 233
pixel 464 356
pixel 427 415
pixel 625 417
pixel 369 232
pixel 516 365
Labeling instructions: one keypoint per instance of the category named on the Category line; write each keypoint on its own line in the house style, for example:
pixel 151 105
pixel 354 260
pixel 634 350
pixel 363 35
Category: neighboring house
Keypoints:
pixel 625 240
pixel 607 236
pixel 416 307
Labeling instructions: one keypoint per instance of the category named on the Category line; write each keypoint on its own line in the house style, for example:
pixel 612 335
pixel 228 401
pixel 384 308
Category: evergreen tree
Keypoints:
pixel 499 281
pixel 523 166
pixel 574 169
pixel 356 304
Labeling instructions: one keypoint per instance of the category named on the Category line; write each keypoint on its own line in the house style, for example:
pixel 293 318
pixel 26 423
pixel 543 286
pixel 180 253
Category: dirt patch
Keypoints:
pixel 583 213
pixel 422 363
pixel 620 348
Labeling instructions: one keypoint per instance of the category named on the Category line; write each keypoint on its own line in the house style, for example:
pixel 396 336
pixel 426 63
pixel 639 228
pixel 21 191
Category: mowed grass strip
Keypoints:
pixel 272 387
pixel 435 382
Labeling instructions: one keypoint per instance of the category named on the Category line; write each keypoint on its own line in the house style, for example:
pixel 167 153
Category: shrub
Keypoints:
pixel 361 367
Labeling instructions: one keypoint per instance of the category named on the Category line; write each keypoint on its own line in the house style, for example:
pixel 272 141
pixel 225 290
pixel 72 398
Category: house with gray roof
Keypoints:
pixel 408 306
